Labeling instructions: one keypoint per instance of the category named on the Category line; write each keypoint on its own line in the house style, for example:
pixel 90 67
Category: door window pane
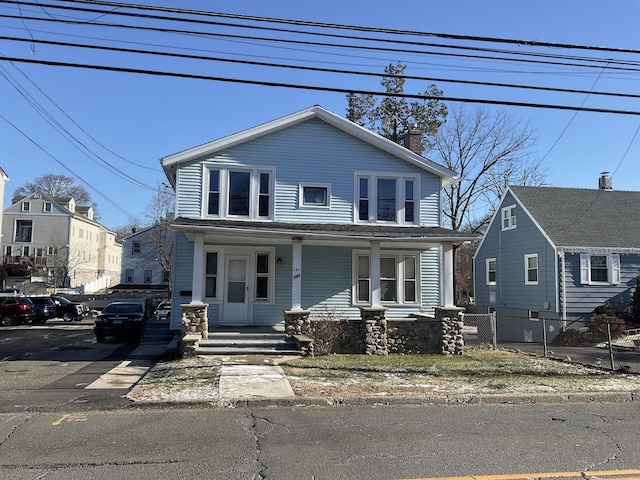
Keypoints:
pixel 236 286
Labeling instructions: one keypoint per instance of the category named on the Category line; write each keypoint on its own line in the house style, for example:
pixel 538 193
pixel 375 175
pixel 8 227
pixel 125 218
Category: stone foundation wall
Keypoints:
pixel 374 334
pixel 195 324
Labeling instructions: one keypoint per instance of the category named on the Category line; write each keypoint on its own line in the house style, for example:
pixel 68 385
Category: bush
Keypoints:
pixel 635 303
pixel 600 321
pixel 572 337
pixel 327 331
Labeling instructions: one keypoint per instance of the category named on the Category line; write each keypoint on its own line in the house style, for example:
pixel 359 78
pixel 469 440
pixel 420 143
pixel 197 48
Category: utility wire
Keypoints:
pixel 314 69
pixel 316 87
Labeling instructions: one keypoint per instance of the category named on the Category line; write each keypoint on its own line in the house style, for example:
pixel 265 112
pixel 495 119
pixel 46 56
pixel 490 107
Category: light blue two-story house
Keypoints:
pixel 304 212
pixel 556 254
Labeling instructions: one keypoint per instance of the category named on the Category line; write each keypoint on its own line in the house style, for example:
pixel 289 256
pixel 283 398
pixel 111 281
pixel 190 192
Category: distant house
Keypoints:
pixel 146 254
pixel 307 212
pixel 3 179
pixel 58 244
pixel 557 253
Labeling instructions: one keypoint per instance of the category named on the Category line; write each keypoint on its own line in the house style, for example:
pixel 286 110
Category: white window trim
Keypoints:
pixel 400 198
pixel 526 269
pixel 271 275
pixel 400 277
pixel 26 206
pixel 223 191
pixel 47 207
pixel 512 218
pixel 613 269
pixel 487 261
pixel 302 186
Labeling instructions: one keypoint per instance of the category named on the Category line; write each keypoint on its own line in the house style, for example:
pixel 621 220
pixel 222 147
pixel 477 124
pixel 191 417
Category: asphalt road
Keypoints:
pixel 47 367
pixel 363 442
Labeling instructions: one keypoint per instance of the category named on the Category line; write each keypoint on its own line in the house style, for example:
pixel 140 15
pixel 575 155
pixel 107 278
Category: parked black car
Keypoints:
pixel 68 310
pixel 120 319
pixel 15 310
pixel 44 307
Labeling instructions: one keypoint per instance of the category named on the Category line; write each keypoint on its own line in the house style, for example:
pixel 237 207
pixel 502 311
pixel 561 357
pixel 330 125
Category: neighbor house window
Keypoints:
pixel 8 249
pixel 600 269
pixel 211 275
pixel 148 274
pixel 531 269
pixel 46 207
pixel 24 229
pixel 239 193
pixel 314 195
pixel 509 217
pixel 387 199
pixel 165 276
pixel 491 271
pixel 26 206
pixel 398 278
pixel 136 248
pixel 534 315
pixel 128 275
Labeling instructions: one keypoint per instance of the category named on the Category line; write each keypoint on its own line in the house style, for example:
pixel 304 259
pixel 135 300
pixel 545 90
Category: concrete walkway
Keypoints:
pixel 239 382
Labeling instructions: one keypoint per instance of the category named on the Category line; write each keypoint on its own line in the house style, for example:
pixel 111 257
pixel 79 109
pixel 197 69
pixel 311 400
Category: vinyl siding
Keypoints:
pixel 310 152
pixel 583 299
pixel 509 248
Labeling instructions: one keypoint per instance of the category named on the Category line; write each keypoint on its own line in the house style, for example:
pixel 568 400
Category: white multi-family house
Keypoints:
pixel 58 243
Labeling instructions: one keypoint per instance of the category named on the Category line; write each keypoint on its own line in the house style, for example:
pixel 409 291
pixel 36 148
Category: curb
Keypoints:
pixel 471 399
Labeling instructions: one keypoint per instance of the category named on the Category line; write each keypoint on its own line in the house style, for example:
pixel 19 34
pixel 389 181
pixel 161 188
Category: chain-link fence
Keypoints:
pixel 603 342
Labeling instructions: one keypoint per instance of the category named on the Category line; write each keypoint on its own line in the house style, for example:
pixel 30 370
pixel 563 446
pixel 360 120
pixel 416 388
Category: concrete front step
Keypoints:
pixel 246 342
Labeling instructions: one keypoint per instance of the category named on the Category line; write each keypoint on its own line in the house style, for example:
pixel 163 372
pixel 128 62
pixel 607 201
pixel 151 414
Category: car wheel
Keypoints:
pixel 100 338
pixel 7 320
pixel 66 316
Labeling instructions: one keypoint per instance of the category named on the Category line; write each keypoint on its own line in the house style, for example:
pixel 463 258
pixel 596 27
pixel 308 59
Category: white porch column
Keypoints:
pixel 447 275
pixel 197 283
pixel 296 276
pixel 375 275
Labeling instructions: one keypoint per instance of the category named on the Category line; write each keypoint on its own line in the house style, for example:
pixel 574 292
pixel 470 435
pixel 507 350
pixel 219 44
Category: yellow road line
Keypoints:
pixel 608 474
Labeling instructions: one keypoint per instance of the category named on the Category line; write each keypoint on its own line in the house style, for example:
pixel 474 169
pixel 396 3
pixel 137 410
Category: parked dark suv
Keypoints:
pixel 68 310
pixel 44 307
pixel 15 310
pixel 120 319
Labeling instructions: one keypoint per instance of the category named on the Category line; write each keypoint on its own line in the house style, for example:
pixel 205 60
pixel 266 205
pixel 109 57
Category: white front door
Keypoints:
pixel 235 308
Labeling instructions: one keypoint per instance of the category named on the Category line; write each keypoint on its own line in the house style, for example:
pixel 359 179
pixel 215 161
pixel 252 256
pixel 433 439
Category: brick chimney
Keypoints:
pixel 413 139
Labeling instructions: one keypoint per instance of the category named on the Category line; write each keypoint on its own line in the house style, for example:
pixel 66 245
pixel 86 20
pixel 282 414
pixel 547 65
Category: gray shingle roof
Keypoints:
pixel 574 217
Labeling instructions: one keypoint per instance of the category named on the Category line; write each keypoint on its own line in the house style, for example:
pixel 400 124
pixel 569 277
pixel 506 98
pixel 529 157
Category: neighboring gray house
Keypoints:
pixel 145 259
pixel 557 253
pixel 304 212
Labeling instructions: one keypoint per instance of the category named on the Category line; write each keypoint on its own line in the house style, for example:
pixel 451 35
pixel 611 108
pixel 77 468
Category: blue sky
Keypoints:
pixel 144 118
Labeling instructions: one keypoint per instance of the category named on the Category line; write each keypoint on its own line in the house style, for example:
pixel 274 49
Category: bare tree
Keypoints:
pixel 488 151
pixel 57 185
pixel 160 213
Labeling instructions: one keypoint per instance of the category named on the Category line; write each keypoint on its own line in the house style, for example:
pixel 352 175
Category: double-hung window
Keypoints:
pixel 531 269
pixel 148 276
pixel 24 229
pixel 386 199
pixel 26 206
pixel 239 193
pixel 491 271
pixel 509 217
pixel 128 275
pixel 46 207
pixel 398 278
pixel 211 275
pixel 136 247
pixel 600 269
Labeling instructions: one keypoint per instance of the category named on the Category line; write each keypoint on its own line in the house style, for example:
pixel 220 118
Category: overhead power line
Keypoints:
pixel 316 87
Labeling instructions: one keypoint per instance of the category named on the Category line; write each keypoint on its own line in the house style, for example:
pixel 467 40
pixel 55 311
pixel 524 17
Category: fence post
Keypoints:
pixel 613 367
pixel 492 319
pixel 544 337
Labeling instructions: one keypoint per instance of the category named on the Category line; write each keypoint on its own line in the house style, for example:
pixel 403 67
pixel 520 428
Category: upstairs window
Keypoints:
pixel 46 207
pixel 148 276
pixel 241 193
pixel 509 217
pixel 387 199
pixel 128 275
pixel 26 206
pixel 312 195
pixel 136 247
pixel 24 230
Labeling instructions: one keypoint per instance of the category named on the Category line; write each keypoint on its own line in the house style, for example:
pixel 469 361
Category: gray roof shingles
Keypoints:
pixel 574 217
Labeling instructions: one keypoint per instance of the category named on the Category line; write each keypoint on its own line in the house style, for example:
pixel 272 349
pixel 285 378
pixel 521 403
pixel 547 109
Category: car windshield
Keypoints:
pixel 63 300
pixel 164 306
pixel 123 308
